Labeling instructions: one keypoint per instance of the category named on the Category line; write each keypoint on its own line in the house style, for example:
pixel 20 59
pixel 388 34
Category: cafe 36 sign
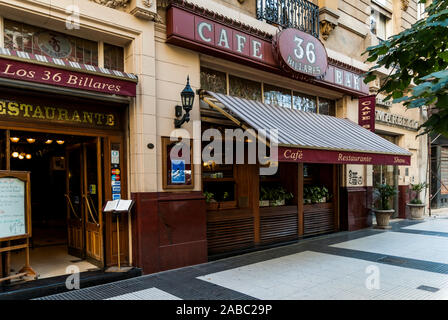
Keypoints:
pixel 298 51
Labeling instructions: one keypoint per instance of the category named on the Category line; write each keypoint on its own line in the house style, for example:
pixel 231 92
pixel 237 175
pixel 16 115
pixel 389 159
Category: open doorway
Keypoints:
pixel 66 200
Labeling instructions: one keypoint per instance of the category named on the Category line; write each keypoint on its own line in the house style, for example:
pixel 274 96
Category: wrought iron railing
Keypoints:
pixel 299 14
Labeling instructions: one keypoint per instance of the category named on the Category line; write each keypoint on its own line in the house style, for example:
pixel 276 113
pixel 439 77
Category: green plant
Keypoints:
pixel 417 188
pixel 384 192
pixel 315 193
pixel 208 196
pixel 225 195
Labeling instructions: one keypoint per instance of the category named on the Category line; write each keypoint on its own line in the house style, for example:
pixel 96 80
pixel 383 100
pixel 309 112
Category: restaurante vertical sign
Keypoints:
pixel 366 112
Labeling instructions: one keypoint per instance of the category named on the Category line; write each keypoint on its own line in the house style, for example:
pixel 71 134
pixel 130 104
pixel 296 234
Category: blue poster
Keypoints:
pixel 116 196
pixel 178 171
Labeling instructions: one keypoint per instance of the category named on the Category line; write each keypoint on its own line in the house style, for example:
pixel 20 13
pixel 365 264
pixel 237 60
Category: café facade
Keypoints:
pixel 98 120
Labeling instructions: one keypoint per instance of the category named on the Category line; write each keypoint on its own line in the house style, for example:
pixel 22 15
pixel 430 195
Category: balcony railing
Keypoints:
pixel 299 14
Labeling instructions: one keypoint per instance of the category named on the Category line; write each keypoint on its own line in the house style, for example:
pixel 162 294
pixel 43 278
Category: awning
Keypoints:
pixel 310 137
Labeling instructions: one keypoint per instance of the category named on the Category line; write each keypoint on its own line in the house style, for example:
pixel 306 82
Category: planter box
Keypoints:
pixel 383 218
pixel 416 210
pixel 263 203
pixel 277 203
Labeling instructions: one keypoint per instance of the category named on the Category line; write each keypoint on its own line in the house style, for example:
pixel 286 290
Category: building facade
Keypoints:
pixel 126 66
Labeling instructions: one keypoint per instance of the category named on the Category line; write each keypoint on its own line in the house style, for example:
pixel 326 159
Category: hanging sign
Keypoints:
pixel 298 51
pixel 366 112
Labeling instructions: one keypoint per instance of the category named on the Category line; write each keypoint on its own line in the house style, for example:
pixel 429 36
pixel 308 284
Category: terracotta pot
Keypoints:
pixel 416 210
pixel 383 218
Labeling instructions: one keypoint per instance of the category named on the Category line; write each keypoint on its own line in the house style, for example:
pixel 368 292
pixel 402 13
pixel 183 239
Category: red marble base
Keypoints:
pixel 168 230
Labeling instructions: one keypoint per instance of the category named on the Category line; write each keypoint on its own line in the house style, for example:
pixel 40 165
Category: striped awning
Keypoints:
pixel 310 137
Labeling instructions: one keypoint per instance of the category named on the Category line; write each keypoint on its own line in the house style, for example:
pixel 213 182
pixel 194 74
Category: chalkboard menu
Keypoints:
pixel 12 207
pixel 15 213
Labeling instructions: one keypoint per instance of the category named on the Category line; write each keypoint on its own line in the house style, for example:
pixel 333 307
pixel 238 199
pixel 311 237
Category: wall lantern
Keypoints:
pixel 187 96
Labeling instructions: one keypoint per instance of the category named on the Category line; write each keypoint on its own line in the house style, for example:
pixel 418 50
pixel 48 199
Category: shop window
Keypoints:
pixel 243 88
pixel 304 102
pixel 214 81
pixel 277 96
pixel 327 107
pixel 378 23
pixel 113 57
pixel 35 40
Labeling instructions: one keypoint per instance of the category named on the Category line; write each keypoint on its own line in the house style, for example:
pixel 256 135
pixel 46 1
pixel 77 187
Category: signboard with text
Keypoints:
pixel 18 70
pixel 286 154
pixel 299 53
pixel 366 112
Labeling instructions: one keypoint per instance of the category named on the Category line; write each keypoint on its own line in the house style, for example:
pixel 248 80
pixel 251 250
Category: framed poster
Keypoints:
pixel 177 159
pixel 15 213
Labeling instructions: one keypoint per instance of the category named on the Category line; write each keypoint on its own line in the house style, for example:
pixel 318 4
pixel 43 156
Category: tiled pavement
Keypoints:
pixel 408 262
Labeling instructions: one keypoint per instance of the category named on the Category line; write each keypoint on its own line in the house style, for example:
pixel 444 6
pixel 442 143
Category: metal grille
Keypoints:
pixel 299 14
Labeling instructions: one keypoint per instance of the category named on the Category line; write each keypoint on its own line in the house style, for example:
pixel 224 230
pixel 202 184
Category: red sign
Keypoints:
pixel 213 36
pixel 65 78
pixel 298 51
pixel 194 31
pixel 366 112
pixel 340 157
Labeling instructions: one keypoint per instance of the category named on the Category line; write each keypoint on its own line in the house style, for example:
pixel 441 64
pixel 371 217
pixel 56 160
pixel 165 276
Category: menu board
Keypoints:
pixel 12 207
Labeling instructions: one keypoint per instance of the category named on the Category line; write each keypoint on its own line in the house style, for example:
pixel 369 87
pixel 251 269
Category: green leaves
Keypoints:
pixel 418 55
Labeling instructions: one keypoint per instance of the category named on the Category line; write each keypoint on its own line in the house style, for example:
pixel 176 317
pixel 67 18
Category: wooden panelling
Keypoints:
pixel 229 230
pixel 278 224
pixel 318 218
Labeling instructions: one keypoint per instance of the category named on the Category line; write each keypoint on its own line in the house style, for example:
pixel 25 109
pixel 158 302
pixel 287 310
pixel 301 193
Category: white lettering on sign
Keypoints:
pixel 241 42
pixel 201 27
pixel 394 119
pixel 348 80
pixel 256 47
pixel 338 76
pixel 356 82
pixel 298 51
pixel 223 39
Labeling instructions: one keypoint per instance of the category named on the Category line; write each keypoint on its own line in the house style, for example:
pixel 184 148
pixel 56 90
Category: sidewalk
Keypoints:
pixel 408 262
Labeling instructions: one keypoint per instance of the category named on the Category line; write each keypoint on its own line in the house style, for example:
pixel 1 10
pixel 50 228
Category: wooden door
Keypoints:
pixel 74 198
pixel 92 201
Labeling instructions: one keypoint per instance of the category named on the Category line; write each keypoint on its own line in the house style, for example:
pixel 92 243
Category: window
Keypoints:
pixel 304 102
pixel 277 96
pixel 23 37
pixel 378 22
pixel 327 107
pixel 113 57
pixel 244 88
pixel 214 81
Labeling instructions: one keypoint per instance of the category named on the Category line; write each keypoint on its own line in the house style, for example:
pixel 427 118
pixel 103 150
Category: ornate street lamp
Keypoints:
pixel 187 96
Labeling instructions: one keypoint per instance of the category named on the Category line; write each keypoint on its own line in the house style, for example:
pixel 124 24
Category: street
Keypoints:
pixel 407 262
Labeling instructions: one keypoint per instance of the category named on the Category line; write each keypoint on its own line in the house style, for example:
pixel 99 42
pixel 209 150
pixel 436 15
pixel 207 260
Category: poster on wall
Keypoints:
pixel 177 164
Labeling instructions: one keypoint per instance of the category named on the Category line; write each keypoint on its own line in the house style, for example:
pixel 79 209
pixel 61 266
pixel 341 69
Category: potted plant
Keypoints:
pixel 416 206
pixel 264 197
pixel 384 192
pixel 212 204
pixel 278 196
pixel 315 194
